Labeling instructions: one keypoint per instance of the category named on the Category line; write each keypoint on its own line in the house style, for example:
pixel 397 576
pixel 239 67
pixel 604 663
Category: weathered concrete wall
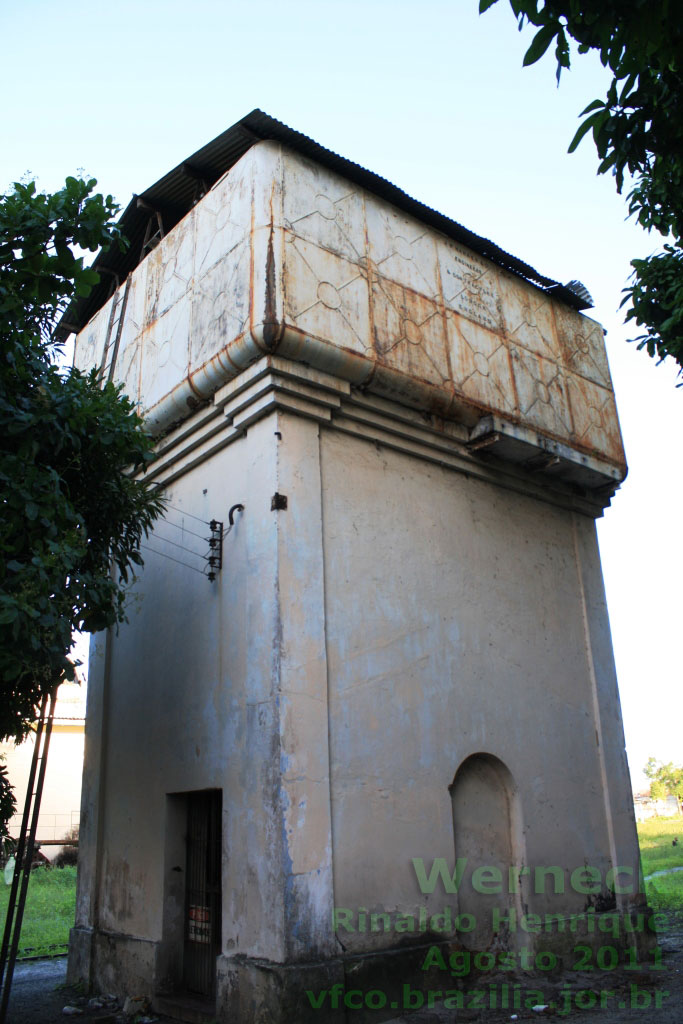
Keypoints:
pixel 458 622
pixel 185 701
pixel 397 617
pixel 214 686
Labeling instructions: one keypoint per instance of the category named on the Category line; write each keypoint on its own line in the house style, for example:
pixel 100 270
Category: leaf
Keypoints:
pixel 584 128
pixel 595 105
pixel 69 501
pixel 628 86
pixel 539 44
pixel 485 4
pixel 608 162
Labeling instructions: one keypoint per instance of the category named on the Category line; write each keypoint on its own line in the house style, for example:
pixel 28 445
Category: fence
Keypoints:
pixel 52 828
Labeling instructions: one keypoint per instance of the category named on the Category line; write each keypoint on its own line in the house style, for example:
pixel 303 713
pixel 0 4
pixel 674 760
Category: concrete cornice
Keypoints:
pixel 495 451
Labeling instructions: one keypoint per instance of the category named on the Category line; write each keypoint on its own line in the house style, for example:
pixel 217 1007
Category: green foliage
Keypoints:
pixel 665 892
pixel 637 130
pixel 6 812
pixel 71 508
pixel 666 779
pixel 39 270
pixel 657 303
pixel 50 911
pixel 657 851
pixel 658 790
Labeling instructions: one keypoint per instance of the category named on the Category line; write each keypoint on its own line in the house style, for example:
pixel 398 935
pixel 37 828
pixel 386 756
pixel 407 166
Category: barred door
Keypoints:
pixel 203 891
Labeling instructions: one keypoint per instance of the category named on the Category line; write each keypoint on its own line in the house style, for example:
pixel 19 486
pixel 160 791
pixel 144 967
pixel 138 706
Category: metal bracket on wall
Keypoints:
pixel 215 557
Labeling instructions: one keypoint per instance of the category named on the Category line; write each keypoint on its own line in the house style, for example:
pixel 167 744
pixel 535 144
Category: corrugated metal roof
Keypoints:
pixel 175 194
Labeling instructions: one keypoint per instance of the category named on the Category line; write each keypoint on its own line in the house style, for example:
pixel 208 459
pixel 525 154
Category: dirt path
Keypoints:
pixel 39 995
pixel 664 871
pixel 34 997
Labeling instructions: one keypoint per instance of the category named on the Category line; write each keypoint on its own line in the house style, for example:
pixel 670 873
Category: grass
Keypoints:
pixel 49 912
pixel 657 853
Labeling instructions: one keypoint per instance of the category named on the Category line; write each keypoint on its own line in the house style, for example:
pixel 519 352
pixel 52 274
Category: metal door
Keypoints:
pixel 203 891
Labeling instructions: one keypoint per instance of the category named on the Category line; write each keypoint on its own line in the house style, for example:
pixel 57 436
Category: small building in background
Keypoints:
pixel 647 808
pixel 60 806
pixel 366 701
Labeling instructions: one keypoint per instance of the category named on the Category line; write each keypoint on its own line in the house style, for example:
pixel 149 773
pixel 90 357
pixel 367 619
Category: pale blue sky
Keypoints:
pixel 434 98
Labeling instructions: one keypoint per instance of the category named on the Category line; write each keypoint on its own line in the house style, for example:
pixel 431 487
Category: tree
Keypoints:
pixel 72 509
pixel 667 779
pixel 638 132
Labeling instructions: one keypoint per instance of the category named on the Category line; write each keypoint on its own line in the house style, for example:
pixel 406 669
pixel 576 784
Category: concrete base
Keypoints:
pixel 80 957
pixel 259 991
pixel 120 964
pixel 192 1011
pixel 373 986
pixel 359 988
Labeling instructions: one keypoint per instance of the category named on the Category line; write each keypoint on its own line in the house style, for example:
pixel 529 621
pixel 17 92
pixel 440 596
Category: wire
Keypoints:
pixel 207 540
pixel 185 530
pixel 184 513
pixel 172 559
pixel 189 551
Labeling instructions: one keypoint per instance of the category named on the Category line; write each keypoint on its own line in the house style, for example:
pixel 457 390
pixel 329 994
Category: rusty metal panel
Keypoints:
pixel 594 416
pixel 471 287
pixel 582 342
pixel 439 314
pixel 409 332
pixel 189 298
pixel 285 255
pixel 174 195
pixel 323 209
pixel 481 364
pixel 326 296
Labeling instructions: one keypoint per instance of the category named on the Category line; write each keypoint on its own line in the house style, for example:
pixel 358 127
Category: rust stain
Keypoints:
pixel 270 325
pixel 572 415
pixel 515 392
pixel 196 391
pixel 271 328
pixel 444 319
pixel 251 261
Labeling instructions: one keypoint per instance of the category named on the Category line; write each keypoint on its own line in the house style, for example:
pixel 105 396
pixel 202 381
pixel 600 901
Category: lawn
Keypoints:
pixel 658 854
pixel 49 912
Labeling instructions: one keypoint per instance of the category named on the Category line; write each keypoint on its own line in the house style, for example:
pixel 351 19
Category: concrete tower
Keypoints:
pixel 391 722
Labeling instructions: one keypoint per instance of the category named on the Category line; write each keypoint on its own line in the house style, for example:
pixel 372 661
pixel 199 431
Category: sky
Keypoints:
pixel 433 97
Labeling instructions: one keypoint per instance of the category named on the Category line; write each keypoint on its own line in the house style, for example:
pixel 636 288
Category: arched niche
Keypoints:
pixel 488 834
